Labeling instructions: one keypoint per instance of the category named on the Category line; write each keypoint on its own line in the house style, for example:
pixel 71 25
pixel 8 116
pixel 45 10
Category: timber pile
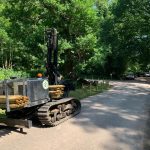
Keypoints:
pixel 56 91
pixel 15 101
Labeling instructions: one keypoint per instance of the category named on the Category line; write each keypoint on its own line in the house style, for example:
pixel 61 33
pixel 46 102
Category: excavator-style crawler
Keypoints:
pixel 40 99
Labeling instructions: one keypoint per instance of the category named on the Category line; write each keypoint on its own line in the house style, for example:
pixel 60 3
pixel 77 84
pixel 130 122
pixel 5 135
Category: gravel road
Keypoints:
pixel 113 120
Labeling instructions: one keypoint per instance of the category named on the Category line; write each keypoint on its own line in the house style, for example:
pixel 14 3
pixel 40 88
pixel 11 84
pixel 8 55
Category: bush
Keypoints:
pixel 7 73
pixel 33 73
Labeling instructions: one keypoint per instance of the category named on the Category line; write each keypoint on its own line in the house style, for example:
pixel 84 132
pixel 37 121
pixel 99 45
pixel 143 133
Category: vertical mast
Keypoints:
pixel 52 56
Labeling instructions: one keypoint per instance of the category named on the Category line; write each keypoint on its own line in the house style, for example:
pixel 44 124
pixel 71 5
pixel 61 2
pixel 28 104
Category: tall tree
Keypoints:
pixel 75 20
pixel 5 40
pixel 127 32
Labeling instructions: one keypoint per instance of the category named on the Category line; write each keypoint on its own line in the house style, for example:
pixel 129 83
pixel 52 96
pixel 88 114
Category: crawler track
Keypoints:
pixel 56 112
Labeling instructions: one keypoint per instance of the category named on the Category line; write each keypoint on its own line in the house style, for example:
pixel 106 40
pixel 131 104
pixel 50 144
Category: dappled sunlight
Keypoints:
pixel 120 111
pixel 130 117
pixel 126 138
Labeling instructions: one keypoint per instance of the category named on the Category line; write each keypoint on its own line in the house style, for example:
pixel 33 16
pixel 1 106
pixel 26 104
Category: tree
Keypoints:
pixel 75 20
pixel 5 40
pixel 127 33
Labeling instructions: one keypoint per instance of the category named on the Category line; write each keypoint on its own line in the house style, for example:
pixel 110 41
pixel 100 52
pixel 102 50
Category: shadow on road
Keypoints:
pixel 4 131
pixel 147 131
pixel 121 111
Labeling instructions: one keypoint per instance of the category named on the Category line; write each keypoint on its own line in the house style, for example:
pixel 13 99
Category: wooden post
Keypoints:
pixel 7 100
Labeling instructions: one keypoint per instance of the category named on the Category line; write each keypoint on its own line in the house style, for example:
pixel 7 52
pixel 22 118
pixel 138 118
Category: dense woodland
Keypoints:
pixel 98 37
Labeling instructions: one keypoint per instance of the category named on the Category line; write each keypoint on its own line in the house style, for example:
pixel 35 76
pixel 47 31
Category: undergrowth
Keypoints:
pixel 89 90
pixel 7 73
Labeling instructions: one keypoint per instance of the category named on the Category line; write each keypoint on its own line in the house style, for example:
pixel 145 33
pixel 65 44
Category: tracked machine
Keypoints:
pixel 42 99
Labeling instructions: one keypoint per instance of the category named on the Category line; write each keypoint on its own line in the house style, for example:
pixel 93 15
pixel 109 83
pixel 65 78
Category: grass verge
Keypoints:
pixel 86 91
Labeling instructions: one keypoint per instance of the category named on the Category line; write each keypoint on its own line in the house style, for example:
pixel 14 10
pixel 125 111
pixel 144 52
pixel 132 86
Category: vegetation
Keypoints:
pixel 2 113
pixel 98 37
pixel 89 90
pixel 127 34
pixel 7 73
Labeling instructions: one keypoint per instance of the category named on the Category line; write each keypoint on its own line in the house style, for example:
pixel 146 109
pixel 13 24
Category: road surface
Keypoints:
pixel 113 120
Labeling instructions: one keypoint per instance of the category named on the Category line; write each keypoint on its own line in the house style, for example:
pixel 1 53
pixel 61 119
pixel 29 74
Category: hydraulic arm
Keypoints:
pixel 52 56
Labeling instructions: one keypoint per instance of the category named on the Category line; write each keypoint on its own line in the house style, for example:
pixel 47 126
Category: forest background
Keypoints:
pixel 96 37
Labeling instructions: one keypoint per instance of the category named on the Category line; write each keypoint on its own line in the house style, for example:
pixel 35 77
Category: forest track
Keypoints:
pixel 115 119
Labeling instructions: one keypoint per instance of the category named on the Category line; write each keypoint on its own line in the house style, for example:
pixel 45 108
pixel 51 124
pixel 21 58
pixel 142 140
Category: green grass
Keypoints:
pixel 90 90
pixel 2 113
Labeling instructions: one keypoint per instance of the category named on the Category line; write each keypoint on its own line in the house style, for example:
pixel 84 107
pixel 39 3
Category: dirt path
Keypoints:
pixel 114 120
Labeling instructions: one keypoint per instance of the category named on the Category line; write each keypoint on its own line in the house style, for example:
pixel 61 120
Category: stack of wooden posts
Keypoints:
pixel 15 101
pixel 56 91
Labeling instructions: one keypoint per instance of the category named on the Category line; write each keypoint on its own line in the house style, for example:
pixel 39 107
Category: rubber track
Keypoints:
pixel 43 111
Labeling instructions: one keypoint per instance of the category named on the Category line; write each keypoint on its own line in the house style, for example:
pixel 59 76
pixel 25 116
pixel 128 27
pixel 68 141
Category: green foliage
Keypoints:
pixel 86 91
pixel 7 73
pixel 76 21
pixel 126 32
pixel 2 113
pixel 5 40
pixel 33 72
pixel 95 36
